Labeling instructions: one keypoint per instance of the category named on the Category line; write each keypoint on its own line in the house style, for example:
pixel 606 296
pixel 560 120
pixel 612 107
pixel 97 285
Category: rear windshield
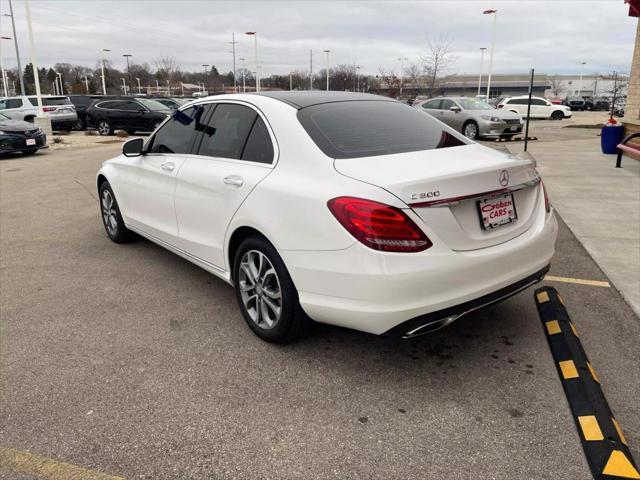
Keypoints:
pixel 48 101
pixel 370 128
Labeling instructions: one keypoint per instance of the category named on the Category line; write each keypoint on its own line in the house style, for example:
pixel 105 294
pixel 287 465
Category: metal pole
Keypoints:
pixel 127 55
pixel 255 39
pixel 15 40
pixel 311 69
pixel 34 61
pixel 4 82
pixel 124 86
pixel 402 60
pixel 493 44
pixel 290 82
pixel 244 86
pixel 182 88
pixel 61 91
pixel 104 86
pixel 327 52
pixel 86 84
pixel 358 79
pixel 233 44
pixel 482 49
pixel 157 86
pixel 526 130
pixel 139 88
pixel 168 88
pixel 580 81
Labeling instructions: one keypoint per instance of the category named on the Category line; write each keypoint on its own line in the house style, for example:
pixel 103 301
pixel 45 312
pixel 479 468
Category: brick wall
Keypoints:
pixel 631 118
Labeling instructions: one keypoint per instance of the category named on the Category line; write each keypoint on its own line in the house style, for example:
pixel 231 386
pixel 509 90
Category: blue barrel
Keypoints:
pixel 611 136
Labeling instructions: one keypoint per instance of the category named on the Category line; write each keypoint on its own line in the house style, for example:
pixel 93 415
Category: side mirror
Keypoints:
pixel 133 147
pixel 455 109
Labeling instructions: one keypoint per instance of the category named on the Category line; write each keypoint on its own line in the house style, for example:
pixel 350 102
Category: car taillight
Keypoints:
pixel 48 109
pixel 378 226
pixel 547 203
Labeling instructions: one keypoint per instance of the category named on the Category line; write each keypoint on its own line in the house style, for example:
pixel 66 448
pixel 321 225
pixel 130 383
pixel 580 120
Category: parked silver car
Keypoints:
pixel 473 117
pixel 60 109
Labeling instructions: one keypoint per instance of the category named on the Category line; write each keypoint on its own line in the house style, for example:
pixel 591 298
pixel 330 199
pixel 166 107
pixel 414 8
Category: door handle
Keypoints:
pixel 233 180
pixel 168 166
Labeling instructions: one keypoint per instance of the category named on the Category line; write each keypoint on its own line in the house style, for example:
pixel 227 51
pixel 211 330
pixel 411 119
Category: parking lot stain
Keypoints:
pixel 175 325
pixel 515 413
pixel 363 419
pixel 402 410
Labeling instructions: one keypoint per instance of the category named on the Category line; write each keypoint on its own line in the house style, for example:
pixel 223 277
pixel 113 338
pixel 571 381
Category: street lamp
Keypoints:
pixel 139 88
pixel 327 52
pixel 357 78
pixel 86 84
pixel 2 72
pixel 402 60
pixel 15 40
pixel 61 84
pixel 580 82
pixel 124 85
pixel 255 43
pixel 127 55
pixel 482 49
pixel 205 65
pixel 493 12
pixel 104 86
pixel 244 88
pixel 233 51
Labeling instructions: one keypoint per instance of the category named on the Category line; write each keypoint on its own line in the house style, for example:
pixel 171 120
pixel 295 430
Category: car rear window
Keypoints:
pixel 48 101
pixel 370 128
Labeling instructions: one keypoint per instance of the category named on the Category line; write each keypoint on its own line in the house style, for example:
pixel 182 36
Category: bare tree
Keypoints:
pixel 167 68
pixel 556 86
pixel 413 73
pixel 436 61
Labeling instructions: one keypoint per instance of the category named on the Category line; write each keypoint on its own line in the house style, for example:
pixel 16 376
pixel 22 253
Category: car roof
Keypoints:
pixel 301 100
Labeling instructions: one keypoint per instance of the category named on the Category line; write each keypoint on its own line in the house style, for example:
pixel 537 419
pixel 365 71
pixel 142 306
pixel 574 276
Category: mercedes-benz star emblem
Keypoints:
pixel 504 178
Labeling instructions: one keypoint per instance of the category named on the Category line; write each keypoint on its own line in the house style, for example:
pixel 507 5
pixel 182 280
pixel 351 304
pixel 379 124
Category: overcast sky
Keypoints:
pixel 552 36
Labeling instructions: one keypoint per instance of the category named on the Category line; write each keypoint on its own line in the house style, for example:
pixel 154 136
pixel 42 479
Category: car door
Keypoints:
pixel 540 108
pixel 432 107
pixel 454 119
pixel 132 115
pixel 148 186
pixel 233 152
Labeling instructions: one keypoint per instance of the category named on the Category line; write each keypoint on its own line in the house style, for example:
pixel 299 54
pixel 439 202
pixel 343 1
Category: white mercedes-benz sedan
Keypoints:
pixel 345 208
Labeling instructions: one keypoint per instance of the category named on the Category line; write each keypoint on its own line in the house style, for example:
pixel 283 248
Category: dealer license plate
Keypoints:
pixel 497 211
pixel 31 141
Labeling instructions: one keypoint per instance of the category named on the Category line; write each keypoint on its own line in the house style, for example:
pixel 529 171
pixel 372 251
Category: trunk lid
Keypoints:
pixel 443 187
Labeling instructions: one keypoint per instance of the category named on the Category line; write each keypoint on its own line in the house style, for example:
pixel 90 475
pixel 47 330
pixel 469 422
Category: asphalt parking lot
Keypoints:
pixel 130 361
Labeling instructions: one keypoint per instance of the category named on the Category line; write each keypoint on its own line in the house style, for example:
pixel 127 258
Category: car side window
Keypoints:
pixel 129 106
pixel 432 104
pixel 446 104
pixel 538 101
pixel 14 103
pixel 107 105
pixel 3 104
pixel 176 136
pixel 259 148
pixel 226 131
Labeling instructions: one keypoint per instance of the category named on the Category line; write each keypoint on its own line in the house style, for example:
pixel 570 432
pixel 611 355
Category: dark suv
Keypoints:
pixel 129 114
pixel 81 103
pixel 597 104
pixel 576 103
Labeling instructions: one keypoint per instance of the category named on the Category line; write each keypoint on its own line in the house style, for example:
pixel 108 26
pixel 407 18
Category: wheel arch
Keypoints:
pixel 100 179
pixel 235 239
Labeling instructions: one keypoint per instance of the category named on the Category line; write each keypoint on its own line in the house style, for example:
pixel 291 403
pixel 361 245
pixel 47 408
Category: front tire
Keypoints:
pixel 104 127
pixel 470 130
pixel 557 115
pixel 265 292
pixel 111 216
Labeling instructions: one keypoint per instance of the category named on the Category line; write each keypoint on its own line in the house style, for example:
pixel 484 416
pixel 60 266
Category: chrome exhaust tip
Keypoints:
pixel 431 327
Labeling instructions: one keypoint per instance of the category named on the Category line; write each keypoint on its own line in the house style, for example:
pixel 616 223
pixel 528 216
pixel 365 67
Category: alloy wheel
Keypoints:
pixel 471 131
pixel 260 289
pixel 104 128
pixel 109 213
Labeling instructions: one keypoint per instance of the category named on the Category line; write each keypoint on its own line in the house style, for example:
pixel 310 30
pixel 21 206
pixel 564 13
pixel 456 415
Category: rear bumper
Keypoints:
pixel 377 292
pixel 66 124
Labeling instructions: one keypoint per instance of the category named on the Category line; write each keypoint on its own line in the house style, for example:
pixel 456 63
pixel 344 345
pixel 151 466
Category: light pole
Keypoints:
pixel 139 88
pixel 311 69
pixel 182 88
pixel 2 72
pixel 255 42
pixel 580 81
pixel 61 83
pixel 124 86
pixel 493 45
pixel 204 66
pixel 127 55
pixel 86 84
pixel 357 78
pixel 44 121
pixel 104 85
pixel 482 49
pixel 290 81
pixel 244 88
pixel 402 60
pixel 327 52
pixel 157 86
pixel 168 88
pixel 15 41
pixel 233 51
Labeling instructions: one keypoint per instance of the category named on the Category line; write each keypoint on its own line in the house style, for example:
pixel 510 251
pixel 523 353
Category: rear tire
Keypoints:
pixel 104 127
pixel 470 130
pixel 266 295
pixel 557 115
pixel 111 216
